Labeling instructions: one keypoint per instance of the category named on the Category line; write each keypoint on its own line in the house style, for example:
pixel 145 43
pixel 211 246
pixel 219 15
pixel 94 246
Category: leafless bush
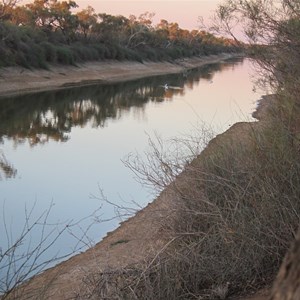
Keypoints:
pixel 169 275
pixel 31 251
pixel 238 211
pixel 121 211
pixel 165 160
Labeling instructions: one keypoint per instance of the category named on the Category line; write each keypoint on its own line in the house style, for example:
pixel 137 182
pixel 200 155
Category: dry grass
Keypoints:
pixel 238 210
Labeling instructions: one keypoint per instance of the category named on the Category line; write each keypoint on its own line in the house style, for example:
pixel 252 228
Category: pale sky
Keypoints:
pixel 185 13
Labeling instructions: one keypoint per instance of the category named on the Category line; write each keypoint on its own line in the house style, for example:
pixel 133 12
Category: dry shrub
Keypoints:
pixel 237 210
pixel 245 209
pixel 242 211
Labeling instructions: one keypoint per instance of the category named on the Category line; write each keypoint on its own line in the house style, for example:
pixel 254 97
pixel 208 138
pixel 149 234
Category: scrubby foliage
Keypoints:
pixel 237 211
pixel 43 32
pixel 238 206
pixel 271 29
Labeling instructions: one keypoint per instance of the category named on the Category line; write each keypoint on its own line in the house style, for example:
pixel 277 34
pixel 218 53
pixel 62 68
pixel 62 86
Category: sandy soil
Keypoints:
pixel 17 80
pixel 137 239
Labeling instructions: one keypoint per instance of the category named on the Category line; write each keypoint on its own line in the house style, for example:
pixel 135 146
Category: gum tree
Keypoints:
pixel 270 28
pixel 6 8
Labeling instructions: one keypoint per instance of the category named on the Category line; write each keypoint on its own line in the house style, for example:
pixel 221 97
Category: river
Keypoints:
pixel 63 150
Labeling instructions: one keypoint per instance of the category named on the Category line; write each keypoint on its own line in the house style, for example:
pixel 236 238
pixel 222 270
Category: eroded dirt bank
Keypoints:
pixel 17 80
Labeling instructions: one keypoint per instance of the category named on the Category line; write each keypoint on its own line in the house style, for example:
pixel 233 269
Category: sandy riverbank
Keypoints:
pixel 17 80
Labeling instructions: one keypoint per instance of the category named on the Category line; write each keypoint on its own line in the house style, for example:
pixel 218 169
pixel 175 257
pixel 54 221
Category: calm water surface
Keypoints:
pixel 62 147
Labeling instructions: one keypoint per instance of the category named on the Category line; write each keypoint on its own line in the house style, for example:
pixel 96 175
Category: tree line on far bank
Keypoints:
pixel 49 31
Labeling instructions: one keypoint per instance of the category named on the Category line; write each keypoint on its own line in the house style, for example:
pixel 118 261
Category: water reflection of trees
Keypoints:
pixel 39 118
pixel 6 169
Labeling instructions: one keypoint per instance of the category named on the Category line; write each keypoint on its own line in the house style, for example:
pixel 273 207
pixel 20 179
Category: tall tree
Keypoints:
pixel 112 28
pixel 6 8
pixel 87 19
pixel 53 15
pixel 272 28
pixel 64 19
pixel 140 29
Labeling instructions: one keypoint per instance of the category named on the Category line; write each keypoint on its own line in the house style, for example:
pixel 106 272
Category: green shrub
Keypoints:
pixel 111 52
pixel 173 52
pixel 37 56
pixel 93 53
pixel 64 55
pixel 120 53
pixel 149 54
pixel 49 51
pixel 56 47
pixel 85 53
pixel 79 52
pixel 132 55
pixel 20 59
pixel 101 49
pixel 27 33
pixel 3 57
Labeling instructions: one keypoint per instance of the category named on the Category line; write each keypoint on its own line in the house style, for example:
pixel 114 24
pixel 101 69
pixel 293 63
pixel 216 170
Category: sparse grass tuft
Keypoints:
pixel 122 241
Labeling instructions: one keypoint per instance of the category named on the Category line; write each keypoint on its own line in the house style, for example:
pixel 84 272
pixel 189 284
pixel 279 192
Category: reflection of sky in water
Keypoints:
pixel 67 173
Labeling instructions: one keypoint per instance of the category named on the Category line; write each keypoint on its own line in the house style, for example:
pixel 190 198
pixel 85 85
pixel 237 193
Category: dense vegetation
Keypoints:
pixel 43 32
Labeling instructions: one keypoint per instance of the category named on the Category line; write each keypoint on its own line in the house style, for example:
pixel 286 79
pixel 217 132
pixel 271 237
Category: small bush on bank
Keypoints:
pixel 82 53
pixel 133 55
pixel 101 49
pixel 4 57
pixel 150 54
pixel 49 51
pixel 64 55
